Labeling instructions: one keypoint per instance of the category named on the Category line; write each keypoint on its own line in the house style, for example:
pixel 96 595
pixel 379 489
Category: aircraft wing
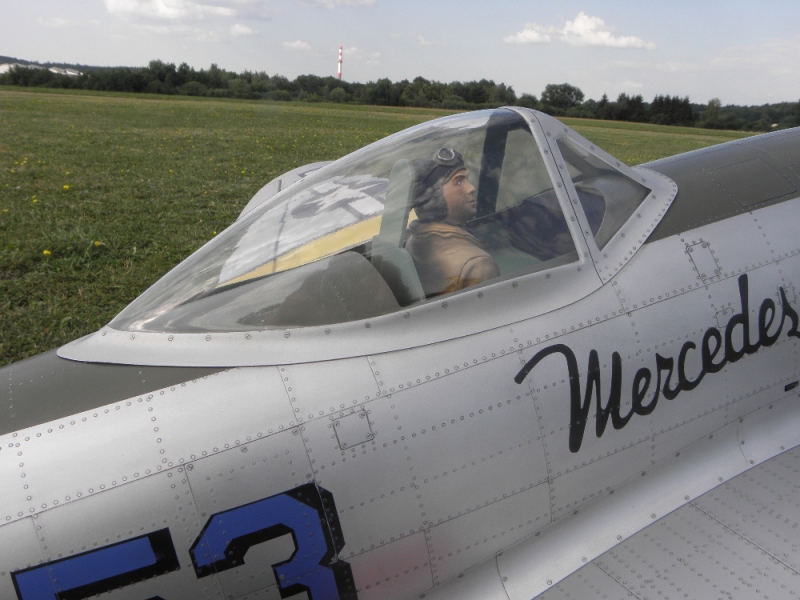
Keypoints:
pixel 740 540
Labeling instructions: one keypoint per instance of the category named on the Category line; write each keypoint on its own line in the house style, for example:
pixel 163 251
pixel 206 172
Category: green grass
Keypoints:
pixel 637 143
pixel 101 194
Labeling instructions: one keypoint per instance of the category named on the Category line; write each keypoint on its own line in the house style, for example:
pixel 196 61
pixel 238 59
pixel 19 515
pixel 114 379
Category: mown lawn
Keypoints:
pixel 100 195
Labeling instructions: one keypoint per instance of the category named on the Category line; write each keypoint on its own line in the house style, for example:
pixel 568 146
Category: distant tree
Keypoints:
pixel 309 84
pixel 528 101
pixel 163 77
pixel 382 92
pixel 561 95
pixel 260 82
pixel 214 78
pixel 503 95
pixel 184 74
pixel 604 109
pixel 423 93
pixel 711 117
pixel 193 88
pixel 589 108
pixel 279 83
pixel 452 101
pixel 629 108
pixel 797 114
pixel 339 95
pixel 281 95
pixel 477 92
pixel 456 88
pixel 239 88
pixel 669 110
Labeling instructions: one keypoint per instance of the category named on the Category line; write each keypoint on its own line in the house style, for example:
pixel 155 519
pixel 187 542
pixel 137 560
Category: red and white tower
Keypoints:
pixel 340 62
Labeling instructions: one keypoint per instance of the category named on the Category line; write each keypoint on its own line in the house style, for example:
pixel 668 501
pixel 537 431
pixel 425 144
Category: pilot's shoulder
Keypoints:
pixel 478 268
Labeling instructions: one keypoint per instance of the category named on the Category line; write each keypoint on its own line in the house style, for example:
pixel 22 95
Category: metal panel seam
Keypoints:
pixel 743 536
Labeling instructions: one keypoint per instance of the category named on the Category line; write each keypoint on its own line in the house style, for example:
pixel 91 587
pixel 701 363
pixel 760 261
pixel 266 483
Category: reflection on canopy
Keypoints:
pixel 331 247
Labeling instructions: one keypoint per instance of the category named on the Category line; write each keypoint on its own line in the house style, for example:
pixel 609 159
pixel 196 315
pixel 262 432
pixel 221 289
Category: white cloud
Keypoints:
pixel 584 30
pixel 55 22
pixel 356 54
pixel 776 56
pixel 182 31
pixel 298 45
pixel 423 41
pixel 179 9
pixel 334 3
pixel 242 30
pixel 531 34
pixel 630 84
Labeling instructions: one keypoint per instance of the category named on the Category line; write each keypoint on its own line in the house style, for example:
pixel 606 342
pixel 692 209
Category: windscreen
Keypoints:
pixel 608 197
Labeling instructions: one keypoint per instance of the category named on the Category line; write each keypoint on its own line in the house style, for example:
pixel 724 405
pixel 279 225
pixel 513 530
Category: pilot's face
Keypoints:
pixel 460 198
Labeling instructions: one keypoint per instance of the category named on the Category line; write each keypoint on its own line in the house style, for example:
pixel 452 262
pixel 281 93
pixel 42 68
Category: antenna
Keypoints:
pixel 340 62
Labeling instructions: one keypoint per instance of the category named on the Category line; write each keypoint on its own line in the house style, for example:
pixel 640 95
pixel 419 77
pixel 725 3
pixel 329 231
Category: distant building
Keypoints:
pixel 60 71
pixel 6 67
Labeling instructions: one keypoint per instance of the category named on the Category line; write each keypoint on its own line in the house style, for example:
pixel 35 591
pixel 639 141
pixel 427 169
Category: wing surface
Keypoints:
pixel 741 540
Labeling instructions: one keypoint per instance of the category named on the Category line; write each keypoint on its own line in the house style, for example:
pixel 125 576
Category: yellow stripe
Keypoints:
pixel 322 247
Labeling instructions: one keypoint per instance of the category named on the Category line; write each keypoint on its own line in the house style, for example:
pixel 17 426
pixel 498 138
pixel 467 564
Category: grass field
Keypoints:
pixel 100 195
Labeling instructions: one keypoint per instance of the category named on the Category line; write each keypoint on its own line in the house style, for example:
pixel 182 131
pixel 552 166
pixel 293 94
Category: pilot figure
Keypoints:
pixel 446 255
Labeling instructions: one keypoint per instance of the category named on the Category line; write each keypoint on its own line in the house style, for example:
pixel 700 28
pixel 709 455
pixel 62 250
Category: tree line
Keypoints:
pixel 556 99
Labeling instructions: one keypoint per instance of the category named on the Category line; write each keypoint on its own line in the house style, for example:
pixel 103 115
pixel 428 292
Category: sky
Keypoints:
pixel 740 51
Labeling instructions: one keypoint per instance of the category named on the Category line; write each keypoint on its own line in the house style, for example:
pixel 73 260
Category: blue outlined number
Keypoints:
pixel 309 515
pixel 98 571
pixel 307 512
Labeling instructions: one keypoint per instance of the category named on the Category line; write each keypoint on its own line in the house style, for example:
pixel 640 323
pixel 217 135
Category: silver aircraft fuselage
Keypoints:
pixel 485 443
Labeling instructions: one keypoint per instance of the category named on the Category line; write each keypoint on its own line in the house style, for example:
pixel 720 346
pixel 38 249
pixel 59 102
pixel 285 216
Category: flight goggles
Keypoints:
pixel 444 163
pixel 447 157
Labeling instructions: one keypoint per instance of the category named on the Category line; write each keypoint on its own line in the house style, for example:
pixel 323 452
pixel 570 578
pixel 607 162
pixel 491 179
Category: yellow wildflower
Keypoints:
pixel 46 252
pixel 66 187
pixel 98 243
